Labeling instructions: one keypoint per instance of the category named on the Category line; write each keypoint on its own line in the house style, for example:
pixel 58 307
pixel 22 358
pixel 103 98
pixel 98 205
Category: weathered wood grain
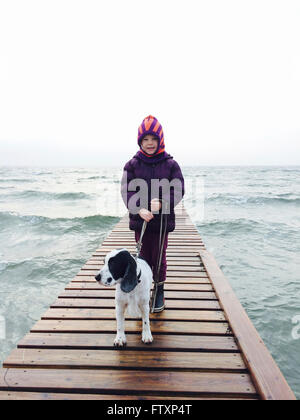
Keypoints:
pixel 200 350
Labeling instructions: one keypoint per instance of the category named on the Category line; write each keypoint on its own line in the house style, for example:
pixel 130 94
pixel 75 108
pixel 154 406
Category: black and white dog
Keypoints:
pixel 133 280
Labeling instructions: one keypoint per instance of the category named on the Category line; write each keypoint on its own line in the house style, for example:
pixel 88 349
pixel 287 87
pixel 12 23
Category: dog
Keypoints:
pixel 133 279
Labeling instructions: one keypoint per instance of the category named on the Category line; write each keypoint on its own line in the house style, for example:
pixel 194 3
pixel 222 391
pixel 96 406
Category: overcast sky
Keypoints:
pixel 78 77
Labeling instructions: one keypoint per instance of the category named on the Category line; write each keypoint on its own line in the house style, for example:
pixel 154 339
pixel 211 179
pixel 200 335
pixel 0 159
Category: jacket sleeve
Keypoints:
pixel 128 175
pixel 177 189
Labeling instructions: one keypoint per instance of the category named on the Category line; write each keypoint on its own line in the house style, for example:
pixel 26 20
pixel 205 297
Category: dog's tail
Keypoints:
pixel 133 311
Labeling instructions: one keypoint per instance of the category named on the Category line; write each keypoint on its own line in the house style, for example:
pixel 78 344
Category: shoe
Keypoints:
pixel 159 305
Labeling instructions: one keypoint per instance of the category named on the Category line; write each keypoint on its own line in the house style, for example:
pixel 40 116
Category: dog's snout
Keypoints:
pixel 98 277
pixel 109 280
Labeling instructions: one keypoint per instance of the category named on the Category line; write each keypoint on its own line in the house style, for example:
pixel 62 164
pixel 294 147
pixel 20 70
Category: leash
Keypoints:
pixel 140 243
pixel 139 247
pixel 162 237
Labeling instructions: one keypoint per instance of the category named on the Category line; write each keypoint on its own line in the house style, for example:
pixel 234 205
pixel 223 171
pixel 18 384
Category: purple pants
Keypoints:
pixel 149 251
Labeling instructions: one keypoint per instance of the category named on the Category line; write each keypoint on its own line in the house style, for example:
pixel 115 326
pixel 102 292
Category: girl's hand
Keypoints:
pixel 155 204
pixel 146 215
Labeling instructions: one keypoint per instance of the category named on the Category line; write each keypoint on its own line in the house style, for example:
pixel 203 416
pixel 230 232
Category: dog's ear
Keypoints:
pixel 130 279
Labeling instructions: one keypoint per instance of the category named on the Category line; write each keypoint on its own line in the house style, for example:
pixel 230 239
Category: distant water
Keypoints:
pixel 52 219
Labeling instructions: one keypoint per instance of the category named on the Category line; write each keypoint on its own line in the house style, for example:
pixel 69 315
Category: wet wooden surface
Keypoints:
pixel 69 353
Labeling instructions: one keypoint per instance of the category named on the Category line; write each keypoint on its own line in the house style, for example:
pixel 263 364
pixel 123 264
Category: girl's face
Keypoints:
pixel 149 144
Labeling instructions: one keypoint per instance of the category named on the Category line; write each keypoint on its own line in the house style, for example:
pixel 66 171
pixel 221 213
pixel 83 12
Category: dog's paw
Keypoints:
pixel 147 337
pixel 120 341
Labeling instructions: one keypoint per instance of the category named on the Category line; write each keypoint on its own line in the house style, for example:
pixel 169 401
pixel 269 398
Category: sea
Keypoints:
pixel 53 218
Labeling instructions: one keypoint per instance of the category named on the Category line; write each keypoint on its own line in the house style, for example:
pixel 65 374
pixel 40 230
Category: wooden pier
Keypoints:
pixel 205 346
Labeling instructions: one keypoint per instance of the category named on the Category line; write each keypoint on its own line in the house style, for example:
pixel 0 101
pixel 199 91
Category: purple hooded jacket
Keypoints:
pixel 141 170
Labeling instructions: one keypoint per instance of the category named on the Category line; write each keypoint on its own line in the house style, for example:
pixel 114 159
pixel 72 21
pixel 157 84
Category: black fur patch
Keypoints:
pixel 123 265
pixel 117 265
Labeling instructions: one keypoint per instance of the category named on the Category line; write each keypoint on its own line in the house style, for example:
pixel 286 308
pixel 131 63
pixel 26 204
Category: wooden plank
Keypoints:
pixel 169 280
pixel 175 249
pixel 166 315
pixel 131 241
pixel 102 341
pixel 266 375
pixel 25 396
pixel 187 268
pixel 172 262
pixel 185 274
pixel 171 244
pixel 188 279
pixel 168 286
pixel 185 237
pixel 177 252
pixel 181 224
pixel 160 327
pixel 109 293
pixel 180 230
pixel 110 303
pixel 178 257
pixel 127 382
pixel 190 232
pixel 194 351
pixel 124 359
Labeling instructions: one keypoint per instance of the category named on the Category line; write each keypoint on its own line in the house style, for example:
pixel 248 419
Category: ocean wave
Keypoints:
pixel 230 225
pixel 39 270
pixel 93 178
pixel 22 180
pixel 46 195
pixel 252 229
pixel 260 200
pixel 6 265
pixel 93 221
pixel 3 266
pixel 42 173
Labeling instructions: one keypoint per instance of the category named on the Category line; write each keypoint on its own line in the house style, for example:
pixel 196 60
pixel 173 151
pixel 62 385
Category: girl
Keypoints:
pixel 151 163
